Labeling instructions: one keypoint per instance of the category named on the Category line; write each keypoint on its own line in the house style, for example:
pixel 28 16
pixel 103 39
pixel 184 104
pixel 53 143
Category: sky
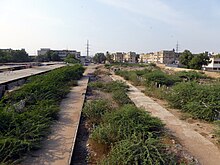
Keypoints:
pixel 110 25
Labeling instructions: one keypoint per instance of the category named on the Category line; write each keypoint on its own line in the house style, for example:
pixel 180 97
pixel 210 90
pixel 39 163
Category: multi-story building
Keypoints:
pixel 163 57
pixel 118 57
pixel 145 57
pixel 130 57
pixel 61 53
pixel 214 65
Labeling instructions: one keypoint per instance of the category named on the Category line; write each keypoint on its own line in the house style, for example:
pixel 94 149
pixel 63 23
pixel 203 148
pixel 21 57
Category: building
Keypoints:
pixel 214 65
pixel 61 53
pixel 131 57
pixel 118 57
pixel 165 57
pixel 145 57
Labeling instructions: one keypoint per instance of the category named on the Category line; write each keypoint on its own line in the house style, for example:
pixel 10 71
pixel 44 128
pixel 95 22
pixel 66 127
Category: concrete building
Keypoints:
pixel 165 57
pixel 145 57
pixel 214 65
pixel 118 57
pixel 61 53
pixel 131 57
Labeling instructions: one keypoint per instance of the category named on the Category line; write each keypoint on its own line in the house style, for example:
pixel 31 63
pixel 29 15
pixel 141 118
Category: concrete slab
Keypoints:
pixel 19 74
pixel 200 147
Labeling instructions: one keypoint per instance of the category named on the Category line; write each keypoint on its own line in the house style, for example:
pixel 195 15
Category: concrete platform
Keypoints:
pixel 9 76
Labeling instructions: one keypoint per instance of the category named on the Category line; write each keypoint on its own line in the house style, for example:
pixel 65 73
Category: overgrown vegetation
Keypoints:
pixel 182 90
pixel 117 88
pixel 27 113
pixel 131 135
pixel 120 64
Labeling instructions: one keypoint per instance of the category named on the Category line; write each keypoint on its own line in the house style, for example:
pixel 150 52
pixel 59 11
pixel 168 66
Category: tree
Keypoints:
pixel 109 57
pixel 71 59
pixel 199 60
pixel 55 57
pixel 14 56
pixel 185 58
pixel 99 58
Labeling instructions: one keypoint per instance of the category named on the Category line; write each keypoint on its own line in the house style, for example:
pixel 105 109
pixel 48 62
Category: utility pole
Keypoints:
pixel 177 47
pixel 87 48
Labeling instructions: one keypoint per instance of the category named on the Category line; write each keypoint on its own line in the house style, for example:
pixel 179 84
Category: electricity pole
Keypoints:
pixel 87 48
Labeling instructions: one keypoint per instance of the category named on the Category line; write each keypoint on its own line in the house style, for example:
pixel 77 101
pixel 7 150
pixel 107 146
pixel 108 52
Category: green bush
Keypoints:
pixel 202 101
pixel 121 97
pixel 191 75
pixel 123 123
pixel 115 86
pixel 159 77
pixel 138 151
pixel 94 110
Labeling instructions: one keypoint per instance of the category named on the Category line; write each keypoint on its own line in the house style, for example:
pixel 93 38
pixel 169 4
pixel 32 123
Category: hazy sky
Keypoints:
pixel 110 25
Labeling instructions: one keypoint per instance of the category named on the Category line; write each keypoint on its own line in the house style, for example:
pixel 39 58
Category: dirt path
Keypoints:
pixel 200 147
pixel 58 147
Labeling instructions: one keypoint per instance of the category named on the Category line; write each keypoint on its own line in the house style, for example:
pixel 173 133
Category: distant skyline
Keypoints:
pixel 110 25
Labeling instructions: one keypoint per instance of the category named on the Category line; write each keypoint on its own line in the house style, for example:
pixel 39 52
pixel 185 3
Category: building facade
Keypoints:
pixel 61 53
pixel 165 57
pixel 214 65
pixel 145 57
pixel 131 57
pixel 118 56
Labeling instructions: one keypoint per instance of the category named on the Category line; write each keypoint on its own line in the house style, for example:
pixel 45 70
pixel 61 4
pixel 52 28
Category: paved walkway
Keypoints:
pixel 58 147
pixel 18 74
pixel 200 147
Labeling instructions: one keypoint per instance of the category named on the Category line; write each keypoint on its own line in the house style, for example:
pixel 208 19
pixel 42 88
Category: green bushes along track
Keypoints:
pixel 27 113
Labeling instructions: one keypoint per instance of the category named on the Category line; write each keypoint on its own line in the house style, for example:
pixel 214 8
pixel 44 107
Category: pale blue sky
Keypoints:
pixel 110 25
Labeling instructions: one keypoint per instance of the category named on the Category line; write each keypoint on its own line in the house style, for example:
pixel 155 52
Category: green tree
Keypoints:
pixel 71 59
pixel 99 58
pixel 109 57
pixel 199 60
pixel 185 58
pixel 55 57
pixel 19 56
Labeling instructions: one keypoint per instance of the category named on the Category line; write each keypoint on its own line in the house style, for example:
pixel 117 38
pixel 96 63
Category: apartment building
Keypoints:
pixel 145 57
pixel 164 57
pixel 130 57
pixel 214 65
pixel 61 53
pixel 118 57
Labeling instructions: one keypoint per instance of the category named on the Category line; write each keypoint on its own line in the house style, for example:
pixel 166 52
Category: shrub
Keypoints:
pixel 191 75
pixel 121 97
pixel 115 86
pixel 123 123
pixel 159 77
pixel 94 110
pixel 202 101
pixel 138 151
